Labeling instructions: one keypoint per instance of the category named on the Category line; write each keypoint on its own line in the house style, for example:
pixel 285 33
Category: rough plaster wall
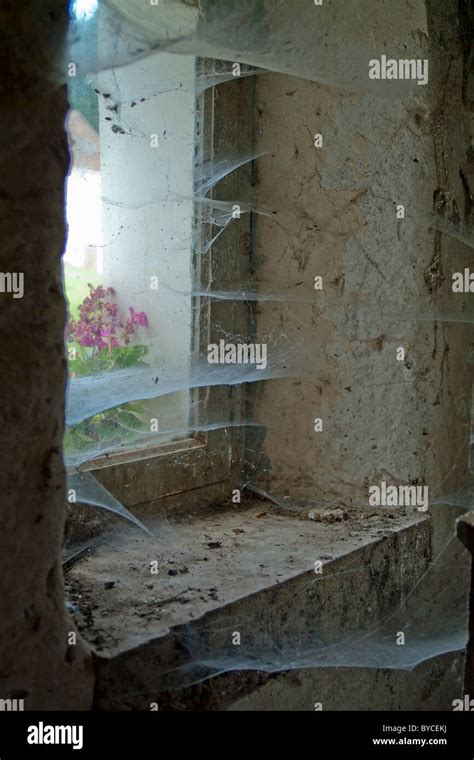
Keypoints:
pixel 431 686
pixel 383 419
pixel 36 662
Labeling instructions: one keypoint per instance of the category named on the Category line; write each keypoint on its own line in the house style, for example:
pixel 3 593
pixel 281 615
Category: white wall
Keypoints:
pixel 148 173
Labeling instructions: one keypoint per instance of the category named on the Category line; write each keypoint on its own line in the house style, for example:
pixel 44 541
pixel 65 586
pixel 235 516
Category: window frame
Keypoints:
pixel 141 476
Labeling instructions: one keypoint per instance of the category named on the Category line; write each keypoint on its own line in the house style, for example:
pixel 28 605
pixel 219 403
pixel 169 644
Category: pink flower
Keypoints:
pixel 138 317
pixel 99 325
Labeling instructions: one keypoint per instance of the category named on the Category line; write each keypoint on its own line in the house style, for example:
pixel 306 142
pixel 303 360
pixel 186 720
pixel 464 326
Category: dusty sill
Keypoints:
pixel 222 569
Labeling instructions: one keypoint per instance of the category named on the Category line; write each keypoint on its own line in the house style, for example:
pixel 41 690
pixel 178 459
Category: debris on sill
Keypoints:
pixel 327 515
pixel 117 603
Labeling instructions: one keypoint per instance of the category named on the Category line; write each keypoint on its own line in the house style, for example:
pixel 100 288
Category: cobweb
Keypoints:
pixel 151 67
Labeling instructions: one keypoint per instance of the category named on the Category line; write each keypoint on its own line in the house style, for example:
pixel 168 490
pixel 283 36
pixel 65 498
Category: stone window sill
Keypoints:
pixel 222 562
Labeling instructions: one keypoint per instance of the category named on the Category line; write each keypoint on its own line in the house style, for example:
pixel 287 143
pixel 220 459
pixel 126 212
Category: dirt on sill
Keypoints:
pixel 131 588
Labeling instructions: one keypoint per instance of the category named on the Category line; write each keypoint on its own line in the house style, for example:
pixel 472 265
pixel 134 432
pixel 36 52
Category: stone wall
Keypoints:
pixel 385 279
pixel 36 663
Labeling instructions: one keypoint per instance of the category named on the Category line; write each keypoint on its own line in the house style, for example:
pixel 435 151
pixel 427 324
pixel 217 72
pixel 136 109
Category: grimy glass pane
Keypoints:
pixel 129 262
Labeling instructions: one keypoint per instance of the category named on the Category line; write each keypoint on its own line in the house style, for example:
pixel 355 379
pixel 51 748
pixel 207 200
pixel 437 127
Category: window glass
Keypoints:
pixel 128 264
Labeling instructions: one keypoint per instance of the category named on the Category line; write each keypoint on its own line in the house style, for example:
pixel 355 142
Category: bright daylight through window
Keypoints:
pixel 128 264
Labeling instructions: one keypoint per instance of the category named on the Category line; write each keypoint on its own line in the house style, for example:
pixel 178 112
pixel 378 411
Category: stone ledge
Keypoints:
pixel 221 569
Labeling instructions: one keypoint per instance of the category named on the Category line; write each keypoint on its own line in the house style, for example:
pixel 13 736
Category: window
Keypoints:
pixel 146 240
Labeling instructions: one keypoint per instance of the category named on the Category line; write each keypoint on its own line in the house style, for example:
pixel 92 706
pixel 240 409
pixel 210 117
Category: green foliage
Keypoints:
pixel 76 286
pixel 105 360
pixel 99 341
pixel 114 426
pixel 83 98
